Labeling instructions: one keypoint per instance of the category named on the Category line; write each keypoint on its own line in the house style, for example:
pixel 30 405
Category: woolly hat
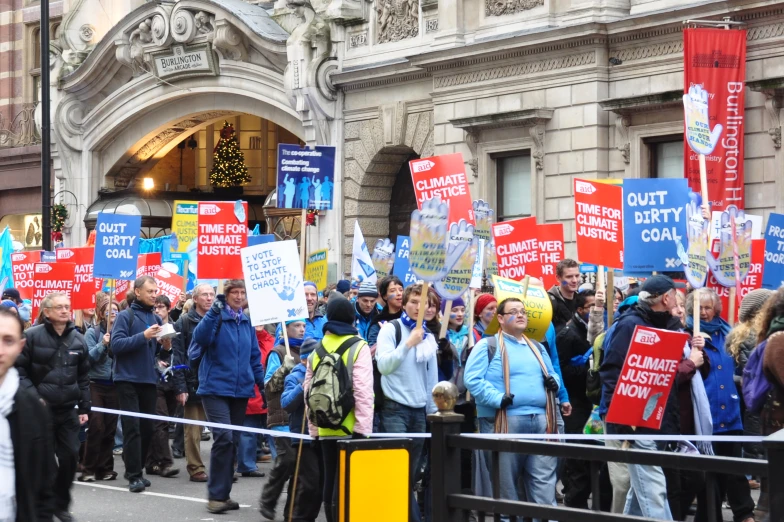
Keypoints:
pixel 308 345
pixel 752 303
pixel 482 302
pixel 340 309
pixel 367 289
pixel 10 304
pixel 455 303
pixel 343 286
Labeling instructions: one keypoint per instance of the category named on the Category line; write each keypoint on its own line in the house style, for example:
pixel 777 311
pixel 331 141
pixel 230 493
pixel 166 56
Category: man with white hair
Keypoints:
pixel 648 494
pixel 187 382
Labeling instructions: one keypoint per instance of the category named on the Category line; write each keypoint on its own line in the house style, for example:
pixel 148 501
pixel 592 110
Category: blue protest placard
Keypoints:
pixel 654 222
pixel 773 271
pixel 402 268
pixel 116 246
pixel 260 239
pixel 306 177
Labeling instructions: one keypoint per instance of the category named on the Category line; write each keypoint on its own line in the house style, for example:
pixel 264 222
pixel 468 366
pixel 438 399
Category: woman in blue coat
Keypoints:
pixel 230 366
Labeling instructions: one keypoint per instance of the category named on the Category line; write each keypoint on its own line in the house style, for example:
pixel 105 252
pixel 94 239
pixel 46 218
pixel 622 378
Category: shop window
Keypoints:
pixel 26 229
pixel 666 157
pixel 513 182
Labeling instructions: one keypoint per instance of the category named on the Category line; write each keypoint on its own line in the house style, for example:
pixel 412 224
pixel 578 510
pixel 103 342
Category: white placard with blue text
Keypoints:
pixel 273 282
pixel 402 268
pixel 116 246
pixel 654 221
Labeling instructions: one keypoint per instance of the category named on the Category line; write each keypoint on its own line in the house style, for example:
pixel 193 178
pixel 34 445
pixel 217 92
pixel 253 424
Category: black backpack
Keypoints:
pixel 331 395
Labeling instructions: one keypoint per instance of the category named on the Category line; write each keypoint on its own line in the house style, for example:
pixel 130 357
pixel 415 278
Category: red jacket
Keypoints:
pixel 256 405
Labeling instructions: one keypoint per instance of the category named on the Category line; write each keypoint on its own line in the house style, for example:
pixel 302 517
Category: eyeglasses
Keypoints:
pixel 60 308
pixel 516 312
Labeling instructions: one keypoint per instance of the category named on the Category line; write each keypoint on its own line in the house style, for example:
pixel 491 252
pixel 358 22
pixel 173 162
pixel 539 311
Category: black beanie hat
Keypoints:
pixel 340 309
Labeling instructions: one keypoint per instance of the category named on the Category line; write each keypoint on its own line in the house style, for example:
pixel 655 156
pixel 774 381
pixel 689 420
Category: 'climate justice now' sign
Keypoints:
pixel 517 248
pixel 647 377
pixel 445 177
pixel 599 222
pixel 51 277
pixel 85 285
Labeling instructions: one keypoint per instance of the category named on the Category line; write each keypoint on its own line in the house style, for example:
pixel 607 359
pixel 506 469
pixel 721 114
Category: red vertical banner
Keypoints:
pixel 716 59
pixel 598 212
pixel 223 231
pixel 51 277
pixel 85 286
pixel 22 264
pixel 445 177
pixel 517 248
pixel 551 250
pixel 752 281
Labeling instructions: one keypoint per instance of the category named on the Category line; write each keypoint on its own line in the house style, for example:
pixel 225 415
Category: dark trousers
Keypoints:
pixel 399 418
pixel 735 487
pixel 178 444
pixel 329 459
pixel 576 473
pixel 160 452
pixel 307 498
pixel 223 410
pixel 98 457
pixel 682 487
pixel 282 471
pixel 65 424
pixel 137 433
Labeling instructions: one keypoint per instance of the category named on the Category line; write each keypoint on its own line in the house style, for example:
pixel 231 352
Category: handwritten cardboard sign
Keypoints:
pixel 429 226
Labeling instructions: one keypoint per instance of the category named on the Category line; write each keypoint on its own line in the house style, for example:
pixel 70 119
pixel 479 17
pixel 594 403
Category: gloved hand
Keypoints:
pixel 358 436
pixel 507 401
pixel 551 384
pixel 444 350
pixel 579 360
pixel 219 303
pixel 289 362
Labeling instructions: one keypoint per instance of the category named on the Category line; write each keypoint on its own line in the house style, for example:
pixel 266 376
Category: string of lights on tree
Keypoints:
pixel 228 168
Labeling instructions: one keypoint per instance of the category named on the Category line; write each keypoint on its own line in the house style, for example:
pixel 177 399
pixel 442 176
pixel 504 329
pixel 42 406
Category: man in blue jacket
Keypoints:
pixel 134 346
pixel 365 307
pixel 533 384
pixel 230 367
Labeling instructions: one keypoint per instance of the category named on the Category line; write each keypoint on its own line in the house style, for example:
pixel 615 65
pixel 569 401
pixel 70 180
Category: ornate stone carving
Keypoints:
pixel 537 151
pixel 21 131
pixel 307 77
pixel 229 41
pixel 622 123
pixel 773 105
pixel 159 29
pixel 519 69
pixel 506 7
pixel 626 54
pixel 87 33
pixel 183 26
pixel 396 20
pixel 472 139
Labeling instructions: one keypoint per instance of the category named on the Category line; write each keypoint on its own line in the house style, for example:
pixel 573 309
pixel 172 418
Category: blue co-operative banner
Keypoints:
pixel 773 271
pixel 116 246
pixel 654 222
pixel 306 177
pixel 402 268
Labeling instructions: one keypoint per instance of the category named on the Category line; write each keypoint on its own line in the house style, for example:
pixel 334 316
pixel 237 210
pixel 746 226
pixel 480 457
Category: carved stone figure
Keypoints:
pixel 506 7
pixel 397 19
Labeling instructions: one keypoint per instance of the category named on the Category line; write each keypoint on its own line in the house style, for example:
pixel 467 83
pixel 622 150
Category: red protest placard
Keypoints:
pixel 551 250
pixel 752 282
pixel 517 248
pixel 85 285
pixel 444 176
pixel 647 377
pixel 223 231
pixel 51 277
pixel 598 211
pixel 147 264
pixel 169 284
pixel 22 264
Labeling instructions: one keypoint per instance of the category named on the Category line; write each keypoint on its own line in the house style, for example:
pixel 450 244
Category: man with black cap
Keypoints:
pixel 365 307
pixel 340 335
pixel 648 485
pixel 12 294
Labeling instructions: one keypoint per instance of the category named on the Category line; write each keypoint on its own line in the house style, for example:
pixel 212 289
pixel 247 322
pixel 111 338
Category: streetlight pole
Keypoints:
pixel 46 145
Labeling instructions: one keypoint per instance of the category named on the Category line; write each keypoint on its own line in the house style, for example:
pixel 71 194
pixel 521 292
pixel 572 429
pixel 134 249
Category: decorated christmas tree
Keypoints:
pixel 228 168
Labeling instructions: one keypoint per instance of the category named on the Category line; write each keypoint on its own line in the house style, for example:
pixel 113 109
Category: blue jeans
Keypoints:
pixel 223 410
pixel 246 449
pixel 399 418
pixel 537 471
pixel 647 496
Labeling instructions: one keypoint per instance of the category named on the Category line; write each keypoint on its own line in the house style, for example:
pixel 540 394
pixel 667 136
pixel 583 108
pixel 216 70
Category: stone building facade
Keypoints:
pixel 532 92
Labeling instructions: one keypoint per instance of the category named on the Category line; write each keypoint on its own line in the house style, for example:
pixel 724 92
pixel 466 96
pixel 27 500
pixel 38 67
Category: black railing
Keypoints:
pixel 449 504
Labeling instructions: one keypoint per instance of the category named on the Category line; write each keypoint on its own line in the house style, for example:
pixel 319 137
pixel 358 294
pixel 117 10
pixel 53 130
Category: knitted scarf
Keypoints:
pixel 424 350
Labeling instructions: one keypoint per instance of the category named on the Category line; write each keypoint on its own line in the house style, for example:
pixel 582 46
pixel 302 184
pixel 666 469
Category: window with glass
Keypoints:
pixel 666 157
pixel 513 182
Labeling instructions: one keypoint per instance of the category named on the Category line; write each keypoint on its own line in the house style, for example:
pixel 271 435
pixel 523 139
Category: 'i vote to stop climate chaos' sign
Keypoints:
pixel 116 245
pixel 223 232
pixel 598 210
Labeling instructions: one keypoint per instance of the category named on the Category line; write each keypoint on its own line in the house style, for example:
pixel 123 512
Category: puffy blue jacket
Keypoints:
pixel 362 321
pixel 552 351
pixel 232 360
pixel 720 387
pixel 293 397
pixel 134 356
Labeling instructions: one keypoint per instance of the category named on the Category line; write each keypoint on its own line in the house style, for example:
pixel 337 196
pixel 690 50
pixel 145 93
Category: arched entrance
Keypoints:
pixel 402 202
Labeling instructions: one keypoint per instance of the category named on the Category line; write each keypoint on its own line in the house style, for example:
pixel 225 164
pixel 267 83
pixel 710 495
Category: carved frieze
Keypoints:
pixel 507 7
pixel 396 20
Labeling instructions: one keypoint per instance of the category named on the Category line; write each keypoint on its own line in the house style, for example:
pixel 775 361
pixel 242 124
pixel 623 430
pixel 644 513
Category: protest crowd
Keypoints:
pixel 244 376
